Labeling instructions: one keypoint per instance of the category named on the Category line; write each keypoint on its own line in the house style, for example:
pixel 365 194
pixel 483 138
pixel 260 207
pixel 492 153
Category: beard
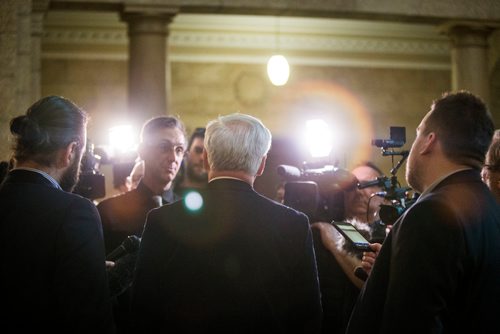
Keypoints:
pixel 71 175
pixel 196 176
pixel 413 174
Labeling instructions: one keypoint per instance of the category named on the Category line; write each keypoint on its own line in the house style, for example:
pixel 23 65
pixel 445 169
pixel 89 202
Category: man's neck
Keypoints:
pixel 188 183
pixel 440 170
pixel 156 187
pixel 240 175
pixel 52 171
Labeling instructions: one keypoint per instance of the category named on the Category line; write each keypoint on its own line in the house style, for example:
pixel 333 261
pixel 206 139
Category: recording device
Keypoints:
pixel 397 138
pixel 317 192
pixel 392 190
pixel 91 183
pixel 351 234
pixel 129 245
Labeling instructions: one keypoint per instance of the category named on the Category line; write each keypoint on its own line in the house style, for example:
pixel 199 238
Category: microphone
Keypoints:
pixel 360 273
pixel 379 181
pixel 129 245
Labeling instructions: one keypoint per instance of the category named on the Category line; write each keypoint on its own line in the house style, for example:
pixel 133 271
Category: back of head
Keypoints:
pixel 159 123
pixel 50 124
pixel 236 142
pixel 464 127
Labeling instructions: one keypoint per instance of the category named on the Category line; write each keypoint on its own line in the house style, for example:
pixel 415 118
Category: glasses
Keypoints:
pixel 165 147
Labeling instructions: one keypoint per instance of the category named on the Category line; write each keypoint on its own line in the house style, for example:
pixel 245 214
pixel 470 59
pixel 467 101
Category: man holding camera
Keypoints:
pixel 439 267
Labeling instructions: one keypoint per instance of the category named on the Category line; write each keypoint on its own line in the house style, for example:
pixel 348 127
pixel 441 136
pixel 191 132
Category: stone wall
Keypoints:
pixel 361 103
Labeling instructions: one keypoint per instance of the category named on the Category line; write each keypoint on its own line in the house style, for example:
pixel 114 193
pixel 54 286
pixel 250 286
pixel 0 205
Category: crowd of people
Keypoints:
pixel 239 261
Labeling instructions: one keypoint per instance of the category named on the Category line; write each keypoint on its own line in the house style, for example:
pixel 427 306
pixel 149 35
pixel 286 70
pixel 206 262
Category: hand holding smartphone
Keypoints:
pixel 350 233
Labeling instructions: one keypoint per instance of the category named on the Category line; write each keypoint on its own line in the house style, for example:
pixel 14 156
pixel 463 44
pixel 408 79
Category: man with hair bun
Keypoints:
pixel 52 251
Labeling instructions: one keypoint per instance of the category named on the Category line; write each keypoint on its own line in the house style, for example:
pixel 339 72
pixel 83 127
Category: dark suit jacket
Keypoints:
pixel 241 264
pixel 125 214
pixel 53 274
pixel 439 268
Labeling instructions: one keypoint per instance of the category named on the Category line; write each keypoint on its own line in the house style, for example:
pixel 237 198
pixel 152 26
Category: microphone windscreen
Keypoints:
pixel 288 172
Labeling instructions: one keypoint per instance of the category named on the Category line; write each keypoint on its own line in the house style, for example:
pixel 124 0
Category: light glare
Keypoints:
pixel 193 201
pixel 319 138
pixel 121 138
pixel 278 70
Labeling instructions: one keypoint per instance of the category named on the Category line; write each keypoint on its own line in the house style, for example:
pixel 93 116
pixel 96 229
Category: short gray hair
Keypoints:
pixel 236 142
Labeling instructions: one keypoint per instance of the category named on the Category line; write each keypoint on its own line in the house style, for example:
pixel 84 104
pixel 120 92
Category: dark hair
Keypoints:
pixel 197 133
pixel 464 127
pixel 158 123
pixel 50 124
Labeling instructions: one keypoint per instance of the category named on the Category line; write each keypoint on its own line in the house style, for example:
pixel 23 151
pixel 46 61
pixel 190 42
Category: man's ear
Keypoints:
pixel 142 151
pixel 205 161
pixel 429 143
pixel 261 166
pixel 67 154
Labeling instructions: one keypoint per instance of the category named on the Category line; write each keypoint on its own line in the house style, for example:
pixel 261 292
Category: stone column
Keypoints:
pixel 469 58
pixel 147 86
pixel 39 8
pixel 24 57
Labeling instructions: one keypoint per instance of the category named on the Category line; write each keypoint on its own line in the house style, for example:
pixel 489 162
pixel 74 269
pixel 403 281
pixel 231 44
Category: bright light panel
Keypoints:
pixel 318 138
pixel 121 138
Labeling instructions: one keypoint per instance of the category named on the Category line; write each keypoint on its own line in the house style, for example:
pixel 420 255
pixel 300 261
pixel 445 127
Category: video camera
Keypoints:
pixel 392 191
pixel 91 183
pixel 317 192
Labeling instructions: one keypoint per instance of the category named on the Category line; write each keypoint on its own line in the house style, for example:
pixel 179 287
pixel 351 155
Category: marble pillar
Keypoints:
pixel 469 58
pixel 148 66
pixel 39 8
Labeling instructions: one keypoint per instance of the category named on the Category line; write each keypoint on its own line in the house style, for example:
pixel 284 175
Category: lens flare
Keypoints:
pixel 193 201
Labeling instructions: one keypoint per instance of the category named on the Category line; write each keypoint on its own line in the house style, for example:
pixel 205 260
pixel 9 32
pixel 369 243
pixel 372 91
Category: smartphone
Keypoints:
pixel 351 234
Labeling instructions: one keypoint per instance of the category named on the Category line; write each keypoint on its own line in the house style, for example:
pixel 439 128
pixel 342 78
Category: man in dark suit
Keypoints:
pixel 52 252
pixel 439 269
pixel 228 260
pixel 162 148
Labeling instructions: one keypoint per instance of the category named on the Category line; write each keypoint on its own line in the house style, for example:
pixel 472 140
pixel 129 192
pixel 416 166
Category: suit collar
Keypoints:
pixel 28 176
pixel 229 184
pixel 461 176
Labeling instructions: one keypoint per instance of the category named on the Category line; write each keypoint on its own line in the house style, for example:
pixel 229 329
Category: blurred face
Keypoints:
pixel 414 165
pixel 194 161
pixel 492 179
pixel 162 154
pixel 356 200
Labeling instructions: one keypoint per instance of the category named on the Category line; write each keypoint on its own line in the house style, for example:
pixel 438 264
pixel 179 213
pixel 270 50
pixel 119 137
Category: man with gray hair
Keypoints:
pixel 228 259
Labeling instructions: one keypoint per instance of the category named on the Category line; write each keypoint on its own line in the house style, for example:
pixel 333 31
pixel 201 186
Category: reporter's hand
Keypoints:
pixel 369 257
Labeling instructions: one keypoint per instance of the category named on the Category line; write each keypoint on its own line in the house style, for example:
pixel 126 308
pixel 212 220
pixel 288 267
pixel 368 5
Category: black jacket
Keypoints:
pixel 241 263
pixel 53 274
pixel 439 269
